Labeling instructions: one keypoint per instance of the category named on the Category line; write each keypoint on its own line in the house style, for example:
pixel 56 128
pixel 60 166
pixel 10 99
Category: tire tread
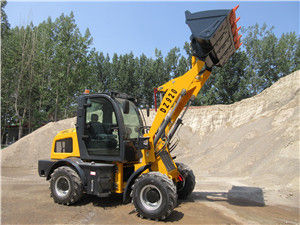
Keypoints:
pixel 77 192
pixel 167 183
pixel 189 183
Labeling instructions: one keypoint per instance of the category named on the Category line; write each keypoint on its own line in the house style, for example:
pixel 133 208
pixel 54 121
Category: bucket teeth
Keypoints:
pixel 234 29
pixel 235 8
pixel 237 38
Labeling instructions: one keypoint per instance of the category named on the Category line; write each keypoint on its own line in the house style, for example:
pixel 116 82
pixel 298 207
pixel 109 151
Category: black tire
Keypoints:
pixel 154 195
pixel 65 186
pixel 185 188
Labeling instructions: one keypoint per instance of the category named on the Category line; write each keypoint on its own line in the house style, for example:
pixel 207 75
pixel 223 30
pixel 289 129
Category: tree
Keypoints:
pixel 127 80
pixel 188 51
pixel 101 72
pixel 146 72
pixel 171 62
pixel 269 57
pixel 227 84
pixel 183 66
pixel 70 63
pixel 18 74
pixel 45 67
pixel 4 22
pixel 5 112
pixel 44 72
pixel 288 54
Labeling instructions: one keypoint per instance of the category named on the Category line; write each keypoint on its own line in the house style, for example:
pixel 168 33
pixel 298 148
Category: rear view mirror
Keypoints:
pixel 126 107
pixel 148 110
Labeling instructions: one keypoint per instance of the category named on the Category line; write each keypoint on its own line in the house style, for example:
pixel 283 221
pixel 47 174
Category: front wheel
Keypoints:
pixel 186 187
pixel 154 195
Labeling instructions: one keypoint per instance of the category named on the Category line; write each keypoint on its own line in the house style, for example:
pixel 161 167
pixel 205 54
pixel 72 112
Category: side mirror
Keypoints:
pixel 148 110
pixel 126 107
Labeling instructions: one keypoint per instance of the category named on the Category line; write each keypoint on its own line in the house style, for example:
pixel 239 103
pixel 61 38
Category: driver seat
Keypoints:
pixel 100 138
pixel 96 126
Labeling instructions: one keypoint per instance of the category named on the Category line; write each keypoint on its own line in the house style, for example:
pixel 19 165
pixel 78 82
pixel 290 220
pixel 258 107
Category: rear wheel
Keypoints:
pixel 186 187
pixel 154 195
pixel 65 186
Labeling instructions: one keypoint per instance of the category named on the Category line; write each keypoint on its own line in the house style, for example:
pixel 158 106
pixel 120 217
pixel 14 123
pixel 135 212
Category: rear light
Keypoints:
pixel 180 178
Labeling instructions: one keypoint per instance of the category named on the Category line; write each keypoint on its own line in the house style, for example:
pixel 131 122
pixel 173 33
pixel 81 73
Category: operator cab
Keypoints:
pixel 108 127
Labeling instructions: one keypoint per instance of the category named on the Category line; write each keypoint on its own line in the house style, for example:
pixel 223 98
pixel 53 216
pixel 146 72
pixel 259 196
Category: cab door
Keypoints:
pixel 98 128
pixel 101 128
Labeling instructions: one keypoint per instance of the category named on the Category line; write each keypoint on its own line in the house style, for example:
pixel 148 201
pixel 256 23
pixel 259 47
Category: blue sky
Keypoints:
pixel 141 27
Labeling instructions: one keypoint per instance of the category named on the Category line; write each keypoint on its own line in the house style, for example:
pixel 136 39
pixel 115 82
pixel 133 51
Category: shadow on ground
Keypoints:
pixel 107 202
pixel 117 200
pixel 237 195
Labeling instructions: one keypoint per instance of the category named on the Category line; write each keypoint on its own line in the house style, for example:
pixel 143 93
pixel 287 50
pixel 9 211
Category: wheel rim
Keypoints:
pixel 151 197
pixel 62 186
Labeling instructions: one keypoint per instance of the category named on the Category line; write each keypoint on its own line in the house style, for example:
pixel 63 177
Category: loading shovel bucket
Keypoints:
pixel 214 36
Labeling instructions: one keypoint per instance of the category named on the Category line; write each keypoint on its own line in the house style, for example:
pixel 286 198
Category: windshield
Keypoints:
pixel 132 120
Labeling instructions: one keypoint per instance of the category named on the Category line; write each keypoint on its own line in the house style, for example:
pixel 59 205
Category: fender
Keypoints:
pixel 131 181
pixel 71 162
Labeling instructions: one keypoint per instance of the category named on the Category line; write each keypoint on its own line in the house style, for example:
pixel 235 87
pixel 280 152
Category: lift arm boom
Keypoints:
pixel 214 40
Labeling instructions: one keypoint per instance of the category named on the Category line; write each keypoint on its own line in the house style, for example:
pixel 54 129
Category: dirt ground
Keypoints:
pixel 25 199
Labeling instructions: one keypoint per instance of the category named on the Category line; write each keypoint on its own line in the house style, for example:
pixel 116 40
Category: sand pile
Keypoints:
pixel 28 150
pixel 256 138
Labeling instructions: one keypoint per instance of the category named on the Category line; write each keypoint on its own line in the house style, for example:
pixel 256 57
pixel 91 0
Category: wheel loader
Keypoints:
pixel 112 151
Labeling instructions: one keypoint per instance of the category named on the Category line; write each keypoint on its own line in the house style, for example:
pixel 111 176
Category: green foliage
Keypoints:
pixel 264 59
pixel 227 84
pixel 4 22
pixel 270 58
pixel 45 68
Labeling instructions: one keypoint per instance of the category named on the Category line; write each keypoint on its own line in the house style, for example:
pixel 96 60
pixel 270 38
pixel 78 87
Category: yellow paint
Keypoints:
pixel 69 133
pixel 191 82
pixel 119 178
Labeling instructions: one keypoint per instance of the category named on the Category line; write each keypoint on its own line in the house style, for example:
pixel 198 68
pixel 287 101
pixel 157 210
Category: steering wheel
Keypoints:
pixel 112 128
pixel 88 125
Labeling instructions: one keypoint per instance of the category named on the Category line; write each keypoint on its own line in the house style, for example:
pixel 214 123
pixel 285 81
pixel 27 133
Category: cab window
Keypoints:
pixel 101 128
pixel 132 120
pixel 64 146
